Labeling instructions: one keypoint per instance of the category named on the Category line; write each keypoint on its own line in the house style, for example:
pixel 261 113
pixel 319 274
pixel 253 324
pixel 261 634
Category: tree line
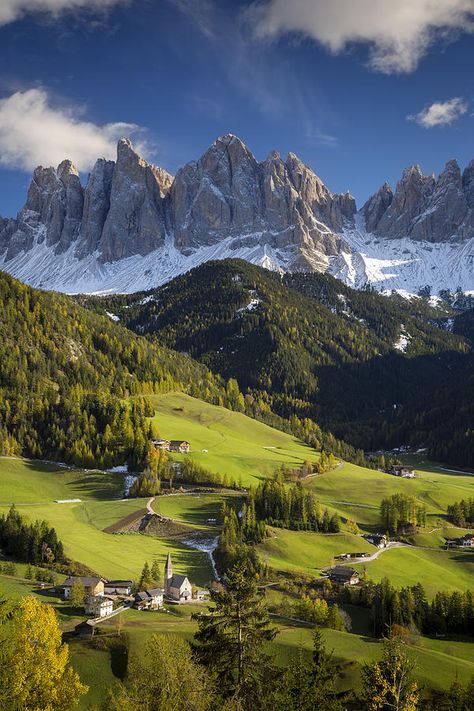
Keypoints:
pixel 33 543
pixel 447 613
pixel 291 507
pixel 461 513
pixel 402 513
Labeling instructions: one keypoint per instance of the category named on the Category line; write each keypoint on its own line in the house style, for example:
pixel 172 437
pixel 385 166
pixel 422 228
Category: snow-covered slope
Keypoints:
pixel 403 264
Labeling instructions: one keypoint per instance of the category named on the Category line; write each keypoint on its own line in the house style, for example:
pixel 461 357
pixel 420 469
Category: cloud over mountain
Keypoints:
pixel 398 33
pixel 33 132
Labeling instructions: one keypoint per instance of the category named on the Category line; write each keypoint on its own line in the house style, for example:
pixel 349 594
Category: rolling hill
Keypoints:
pixel 376 372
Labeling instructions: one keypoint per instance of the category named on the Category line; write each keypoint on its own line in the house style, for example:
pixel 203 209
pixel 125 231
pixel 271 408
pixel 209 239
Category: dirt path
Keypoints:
pixel 149 507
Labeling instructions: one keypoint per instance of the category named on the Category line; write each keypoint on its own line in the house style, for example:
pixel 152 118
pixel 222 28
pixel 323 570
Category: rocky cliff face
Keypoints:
pixel 133 226
pixel 130 207
pixel 425 208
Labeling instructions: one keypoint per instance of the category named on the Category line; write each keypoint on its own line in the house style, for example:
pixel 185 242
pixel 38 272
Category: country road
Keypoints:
pixel 379 551
pixel 149 507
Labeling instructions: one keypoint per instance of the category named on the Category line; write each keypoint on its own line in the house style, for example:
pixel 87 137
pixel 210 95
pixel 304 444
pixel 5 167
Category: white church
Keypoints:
pixel 177 587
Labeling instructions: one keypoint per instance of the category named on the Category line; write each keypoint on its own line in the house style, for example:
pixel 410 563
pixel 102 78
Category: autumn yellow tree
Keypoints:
pixel 389 684
pixel 35 673
pixel 165 677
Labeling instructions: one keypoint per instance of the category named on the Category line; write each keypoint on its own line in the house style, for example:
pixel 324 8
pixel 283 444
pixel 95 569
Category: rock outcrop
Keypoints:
pixel 425 208
pixel 130 207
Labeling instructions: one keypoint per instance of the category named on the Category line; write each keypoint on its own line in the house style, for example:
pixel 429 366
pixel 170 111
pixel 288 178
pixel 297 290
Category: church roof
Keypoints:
pixel 177 580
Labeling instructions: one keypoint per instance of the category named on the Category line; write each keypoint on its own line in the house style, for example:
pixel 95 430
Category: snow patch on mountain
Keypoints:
pixel 403 341
pixel 404 265
pixel 64 272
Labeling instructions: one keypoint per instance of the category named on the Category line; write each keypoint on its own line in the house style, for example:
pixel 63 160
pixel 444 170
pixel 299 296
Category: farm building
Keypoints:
pixel 177 587
pixel 466 541
pixel 118 587
pixel 178 445
pixel 376 539
pixel 402 470
pixel 98 606
pixel 161 444
pixel 149 599
pixel 93 585
pixel 343 575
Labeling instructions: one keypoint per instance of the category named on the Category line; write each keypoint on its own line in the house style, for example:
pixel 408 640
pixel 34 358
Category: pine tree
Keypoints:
pixel 308 683
pixel 230 638
pixel 146 579
pixel 155 572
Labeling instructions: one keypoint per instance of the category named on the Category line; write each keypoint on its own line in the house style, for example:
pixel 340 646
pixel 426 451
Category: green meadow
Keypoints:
pixel 308 552
pixel 236 445
pixel 357 492
pixel 248 451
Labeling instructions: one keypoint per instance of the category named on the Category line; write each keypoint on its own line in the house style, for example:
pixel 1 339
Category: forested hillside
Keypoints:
pixel 64 375
pixel 74 384
pixel 377 372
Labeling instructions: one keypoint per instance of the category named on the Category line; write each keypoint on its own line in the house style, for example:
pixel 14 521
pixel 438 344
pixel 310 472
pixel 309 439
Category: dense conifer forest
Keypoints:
pixel 74 385
pixel 376 371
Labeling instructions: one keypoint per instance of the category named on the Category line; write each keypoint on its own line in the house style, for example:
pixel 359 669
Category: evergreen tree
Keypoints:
pixel 155 572
pixel 308 683
pixel 231 636
pixel 146 578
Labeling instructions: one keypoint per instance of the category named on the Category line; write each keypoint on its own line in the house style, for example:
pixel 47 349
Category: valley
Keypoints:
pixel 251 451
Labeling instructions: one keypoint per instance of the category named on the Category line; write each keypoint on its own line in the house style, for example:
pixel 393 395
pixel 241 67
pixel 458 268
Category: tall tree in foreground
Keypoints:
pixel 163 678
pixel 308 683
pixel 389 684
pixel 35 672
pixel 231 637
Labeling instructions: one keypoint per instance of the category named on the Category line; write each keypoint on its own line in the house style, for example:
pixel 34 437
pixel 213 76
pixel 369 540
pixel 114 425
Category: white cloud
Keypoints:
pixel 398 32
pixel 33 133
pixel 440 113
pixel 11 10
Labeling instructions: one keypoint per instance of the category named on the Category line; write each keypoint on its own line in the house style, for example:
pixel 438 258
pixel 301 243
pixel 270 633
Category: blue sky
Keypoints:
pixel 336 89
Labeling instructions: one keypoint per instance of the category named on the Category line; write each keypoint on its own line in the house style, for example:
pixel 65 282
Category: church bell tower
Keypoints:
pixel 168 573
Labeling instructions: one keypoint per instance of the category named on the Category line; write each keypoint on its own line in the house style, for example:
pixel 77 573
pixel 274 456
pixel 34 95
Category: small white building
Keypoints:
pixel 98 606
pixel 402 470
pixel 149 599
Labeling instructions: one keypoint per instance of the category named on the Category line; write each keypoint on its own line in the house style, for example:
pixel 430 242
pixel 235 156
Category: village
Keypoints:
pixel 104 598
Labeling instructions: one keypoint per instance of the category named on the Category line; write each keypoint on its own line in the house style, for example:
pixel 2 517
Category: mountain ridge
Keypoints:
pixel 134 226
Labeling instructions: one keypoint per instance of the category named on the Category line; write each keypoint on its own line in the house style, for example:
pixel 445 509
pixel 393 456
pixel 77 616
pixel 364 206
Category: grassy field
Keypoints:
pixel 438 662
pixel 308 552
pixel 24 481
pixel 80 525
pixel 357 492
pixel 236 445
pixel 434 569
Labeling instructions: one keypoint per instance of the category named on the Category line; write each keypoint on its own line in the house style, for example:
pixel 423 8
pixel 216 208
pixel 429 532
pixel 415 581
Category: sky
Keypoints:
pixel 359 89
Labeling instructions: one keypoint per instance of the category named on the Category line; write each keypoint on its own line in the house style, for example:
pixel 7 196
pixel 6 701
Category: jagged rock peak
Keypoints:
pixel 425 208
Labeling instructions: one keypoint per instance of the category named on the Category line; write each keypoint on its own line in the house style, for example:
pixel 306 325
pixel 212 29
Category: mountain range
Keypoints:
pixel 133 226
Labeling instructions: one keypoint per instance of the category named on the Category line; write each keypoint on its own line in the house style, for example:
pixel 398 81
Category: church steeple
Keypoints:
pixel 168 573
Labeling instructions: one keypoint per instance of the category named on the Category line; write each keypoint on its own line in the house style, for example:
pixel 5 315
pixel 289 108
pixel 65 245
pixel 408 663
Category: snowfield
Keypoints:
pixel 403 265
